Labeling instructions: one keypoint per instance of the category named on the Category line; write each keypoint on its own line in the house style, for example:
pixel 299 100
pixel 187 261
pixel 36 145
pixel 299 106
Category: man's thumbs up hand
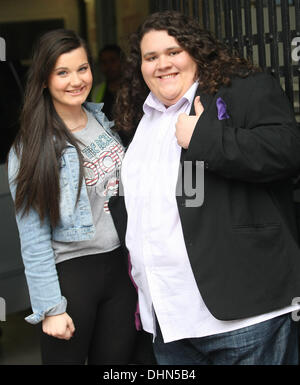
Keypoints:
pixel 186 124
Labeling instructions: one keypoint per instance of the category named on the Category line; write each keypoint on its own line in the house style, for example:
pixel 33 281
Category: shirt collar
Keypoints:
pixel 152 103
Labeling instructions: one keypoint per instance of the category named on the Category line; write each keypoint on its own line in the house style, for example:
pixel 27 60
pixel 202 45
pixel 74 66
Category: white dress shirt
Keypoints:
pixel 154 238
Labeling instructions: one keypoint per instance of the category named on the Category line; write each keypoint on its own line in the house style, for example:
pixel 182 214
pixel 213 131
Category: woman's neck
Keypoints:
pixel 74 118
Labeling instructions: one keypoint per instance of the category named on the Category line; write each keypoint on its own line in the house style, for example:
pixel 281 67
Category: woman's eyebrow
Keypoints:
pixel 60 68
pixel 66 68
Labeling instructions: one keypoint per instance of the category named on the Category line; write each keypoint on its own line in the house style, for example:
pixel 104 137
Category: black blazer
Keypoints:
pixel 242 242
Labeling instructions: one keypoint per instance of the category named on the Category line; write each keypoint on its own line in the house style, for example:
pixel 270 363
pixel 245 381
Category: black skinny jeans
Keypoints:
pixel 101 301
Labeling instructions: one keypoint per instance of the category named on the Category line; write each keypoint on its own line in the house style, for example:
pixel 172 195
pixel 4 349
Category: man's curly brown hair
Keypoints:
pixel 216 64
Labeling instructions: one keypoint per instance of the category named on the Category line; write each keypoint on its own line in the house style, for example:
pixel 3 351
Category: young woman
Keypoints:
pixel 63 167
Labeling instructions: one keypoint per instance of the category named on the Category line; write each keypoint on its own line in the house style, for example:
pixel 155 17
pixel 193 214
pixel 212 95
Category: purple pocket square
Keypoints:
pixel 221 107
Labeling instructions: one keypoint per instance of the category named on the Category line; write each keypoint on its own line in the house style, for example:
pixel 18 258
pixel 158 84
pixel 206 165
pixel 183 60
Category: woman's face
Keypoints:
pixel 71 79
pixel 168 70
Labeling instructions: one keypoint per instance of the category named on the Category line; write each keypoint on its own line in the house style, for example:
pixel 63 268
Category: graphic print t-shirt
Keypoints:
pixel 102 156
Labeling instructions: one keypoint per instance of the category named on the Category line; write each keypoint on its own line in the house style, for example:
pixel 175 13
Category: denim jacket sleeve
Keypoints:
pixel 38 258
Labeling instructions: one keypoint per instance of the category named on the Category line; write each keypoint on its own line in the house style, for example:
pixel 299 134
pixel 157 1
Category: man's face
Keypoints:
pixel 168 70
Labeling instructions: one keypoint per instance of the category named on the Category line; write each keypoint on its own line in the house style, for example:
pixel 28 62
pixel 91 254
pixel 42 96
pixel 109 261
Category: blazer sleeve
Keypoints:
pixel 263 146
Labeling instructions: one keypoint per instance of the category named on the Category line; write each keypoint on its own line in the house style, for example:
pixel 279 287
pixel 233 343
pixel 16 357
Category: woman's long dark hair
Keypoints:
pixel 43 135
pixel 216 64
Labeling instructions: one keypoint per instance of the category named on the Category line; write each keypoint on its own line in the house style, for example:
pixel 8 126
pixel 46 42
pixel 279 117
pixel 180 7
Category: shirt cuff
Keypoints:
pixel 35 318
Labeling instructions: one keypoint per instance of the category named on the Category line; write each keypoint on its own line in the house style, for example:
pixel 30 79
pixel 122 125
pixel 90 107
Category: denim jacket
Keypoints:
pixel 76 224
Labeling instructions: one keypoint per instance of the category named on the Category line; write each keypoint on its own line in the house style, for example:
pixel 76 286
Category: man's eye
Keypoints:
pixel 173 53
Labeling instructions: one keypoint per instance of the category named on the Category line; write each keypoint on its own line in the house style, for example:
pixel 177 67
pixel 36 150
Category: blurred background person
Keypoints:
pixel 110 64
